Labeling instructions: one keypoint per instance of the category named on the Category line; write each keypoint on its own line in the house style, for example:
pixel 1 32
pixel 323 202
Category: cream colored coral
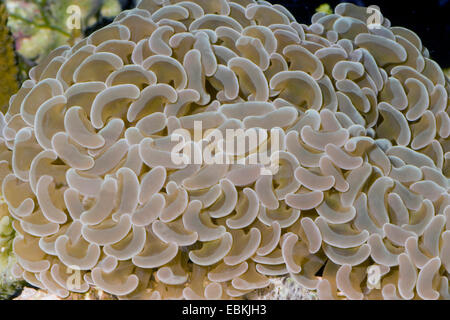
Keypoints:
pixel 363 116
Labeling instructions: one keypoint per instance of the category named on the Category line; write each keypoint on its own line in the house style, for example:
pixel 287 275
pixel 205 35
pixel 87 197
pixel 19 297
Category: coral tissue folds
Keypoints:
pixel 362 115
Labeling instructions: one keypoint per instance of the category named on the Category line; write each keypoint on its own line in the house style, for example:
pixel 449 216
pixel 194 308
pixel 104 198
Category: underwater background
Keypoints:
pixel 430 19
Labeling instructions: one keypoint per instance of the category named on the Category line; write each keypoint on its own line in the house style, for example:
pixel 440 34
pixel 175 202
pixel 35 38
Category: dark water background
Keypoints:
pixel 430 19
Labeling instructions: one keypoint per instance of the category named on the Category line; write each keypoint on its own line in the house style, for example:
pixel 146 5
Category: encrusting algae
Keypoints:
pixel 8 68
pixel 9 286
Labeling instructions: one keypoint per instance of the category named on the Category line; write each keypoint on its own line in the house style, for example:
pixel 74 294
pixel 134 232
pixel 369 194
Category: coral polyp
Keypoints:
pixel 359 115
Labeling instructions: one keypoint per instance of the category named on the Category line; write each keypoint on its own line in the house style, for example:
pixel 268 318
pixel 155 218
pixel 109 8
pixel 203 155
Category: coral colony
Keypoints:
pixel 356 114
